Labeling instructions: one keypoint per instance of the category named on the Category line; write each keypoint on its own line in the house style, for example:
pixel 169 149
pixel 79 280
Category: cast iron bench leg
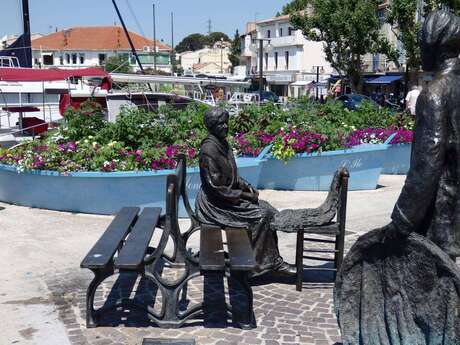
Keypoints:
pixel 99 276
pixel 247 319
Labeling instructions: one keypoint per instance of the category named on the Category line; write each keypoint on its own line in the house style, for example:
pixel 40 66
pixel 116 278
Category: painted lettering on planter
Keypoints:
pixel 352 163
pixel 193 183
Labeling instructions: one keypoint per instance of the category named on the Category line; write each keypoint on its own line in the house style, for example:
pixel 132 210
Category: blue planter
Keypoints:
pixel 100 193
pixel 314 172
pixel 397 161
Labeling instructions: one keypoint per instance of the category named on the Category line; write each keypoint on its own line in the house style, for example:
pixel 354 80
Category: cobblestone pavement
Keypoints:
pixel 42 298
pixel 284 316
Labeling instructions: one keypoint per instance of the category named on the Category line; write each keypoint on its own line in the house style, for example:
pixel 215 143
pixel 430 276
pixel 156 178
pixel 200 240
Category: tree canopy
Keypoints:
pixel 349 29
pixel 197 41
pixel 402 16
pixel 293 6
pixel 118 63
pixel 235 50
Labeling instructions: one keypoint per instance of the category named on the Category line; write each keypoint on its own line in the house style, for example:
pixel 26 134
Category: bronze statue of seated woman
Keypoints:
pixel 227 200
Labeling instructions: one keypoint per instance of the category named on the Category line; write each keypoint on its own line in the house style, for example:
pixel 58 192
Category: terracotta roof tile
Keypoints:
pixel 93 38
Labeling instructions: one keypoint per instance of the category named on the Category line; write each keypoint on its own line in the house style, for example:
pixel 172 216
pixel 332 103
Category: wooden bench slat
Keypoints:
pixel 212 256
pixel 104 249
pixel 133 252
pixel 240 250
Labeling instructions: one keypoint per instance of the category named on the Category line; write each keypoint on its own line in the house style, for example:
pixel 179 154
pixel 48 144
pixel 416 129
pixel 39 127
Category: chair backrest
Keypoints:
pixel 344 175
pixel 181 172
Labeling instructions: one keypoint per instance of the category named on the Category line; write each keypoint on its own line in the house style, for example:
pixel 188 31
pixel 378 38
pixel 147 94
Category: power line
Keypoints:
pixel 139 27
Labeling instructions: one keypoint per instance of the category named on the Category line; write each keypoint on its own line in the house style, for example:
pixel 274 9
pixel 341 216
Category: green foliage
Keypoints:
pixel 86 121
pixel 191 42
pixel 197 41
pixel 402 14
pixel 235 50
pixel 118 63
pixel 214 37
pixel 294 6
pixel 349 30
pixel 142 140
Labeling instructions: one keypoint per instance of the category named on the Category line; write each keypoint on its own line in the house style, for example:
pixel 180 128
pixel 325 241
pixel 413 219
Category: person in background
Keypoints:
pixel 411 99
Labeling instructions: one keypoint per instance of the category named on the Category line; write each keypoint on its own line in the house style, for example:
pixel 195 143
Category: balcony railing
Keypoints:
pixel 284 41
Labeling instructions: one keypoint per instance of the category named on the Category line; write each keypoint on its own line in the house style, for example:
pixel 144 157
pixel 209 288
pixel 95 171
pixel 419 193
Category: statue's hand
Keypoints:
pixel 250 197
pixel 255 193
pixel 393 233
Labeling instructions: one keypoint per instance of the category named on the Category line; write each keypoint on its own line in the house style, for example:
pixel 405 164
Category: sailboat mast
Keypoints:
pixel 27 41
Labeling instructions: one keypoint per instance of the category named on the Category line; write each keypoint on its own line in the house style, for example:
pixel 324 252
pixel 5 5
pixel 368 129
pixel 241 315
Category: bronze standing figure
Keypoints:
pixel 399 285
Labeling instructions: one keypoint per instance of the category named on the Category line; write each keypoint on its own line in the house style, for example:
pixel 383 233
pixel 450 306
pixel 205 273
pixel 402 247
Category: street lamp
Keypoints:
pixel 261 60
pixel 318 70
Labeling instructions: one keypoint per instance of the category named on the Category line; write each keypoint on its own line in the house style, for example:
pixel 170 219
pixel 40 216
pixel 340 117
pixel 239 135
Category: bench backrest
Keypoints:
pixel 172 209
pixel 181 172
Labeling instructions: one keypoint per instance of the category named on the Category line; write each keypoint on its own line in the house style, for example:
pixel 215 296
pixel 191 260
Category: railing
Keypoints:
pixel 283 41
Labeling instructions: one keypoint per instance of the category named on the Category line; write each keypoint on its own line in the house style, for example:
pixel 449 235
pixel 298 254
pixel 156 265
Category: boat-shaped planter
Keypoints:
pixel 314 172
pixel 100 192
pixel 397 160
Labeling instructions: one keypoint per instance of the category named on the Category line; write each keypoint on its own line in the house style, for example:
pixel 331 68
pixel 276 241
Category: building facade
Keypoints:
pixel 81 47
pixel 292 65
pixel 213 60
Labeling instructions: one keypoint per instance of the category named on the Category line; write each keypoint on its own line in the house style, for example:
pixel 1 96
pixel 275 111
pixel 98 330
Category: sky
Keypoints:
pixel 190 16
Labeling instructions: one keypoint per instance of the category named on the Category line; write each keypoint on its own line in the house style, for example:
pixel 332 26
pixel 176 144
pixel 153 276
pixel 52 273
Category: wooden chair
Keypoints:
pixel 336 202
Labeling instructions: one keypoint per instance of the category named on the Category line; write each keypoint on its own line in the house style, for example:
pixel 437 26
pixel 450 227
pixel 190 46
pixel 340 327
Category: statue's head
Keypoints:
pixel 439 39
pixel 216 121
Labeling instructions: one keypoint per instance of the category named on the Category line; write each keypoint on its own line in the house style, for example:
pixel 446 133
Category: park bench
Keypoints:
pixel 237 261
pixel 124 247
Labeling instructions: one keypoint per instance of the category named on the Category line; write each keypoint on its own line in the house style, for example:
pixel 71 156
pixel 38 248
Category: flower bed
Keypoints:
pixel 379 136
pixel 89 165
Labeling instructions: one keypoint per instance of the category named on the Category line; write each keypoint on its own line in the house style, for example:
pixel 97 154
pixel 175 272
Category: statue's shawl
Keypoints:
pixel 399 293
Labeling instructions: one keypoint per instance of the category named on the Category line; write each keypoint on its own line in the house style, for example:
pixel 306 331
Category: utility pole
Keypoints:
pixel 172 43
pixel 154 41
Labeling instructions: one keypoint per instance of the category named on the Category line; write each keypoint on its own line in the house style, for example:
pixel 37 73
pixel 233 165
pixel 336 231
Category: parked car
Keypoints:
pixel 269 96
pixel 352 101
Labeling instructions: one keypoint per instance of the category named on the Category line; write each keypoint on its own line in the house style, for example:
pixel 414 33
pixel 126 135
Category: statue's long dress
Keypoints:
pixel 219 202
pixel 405 292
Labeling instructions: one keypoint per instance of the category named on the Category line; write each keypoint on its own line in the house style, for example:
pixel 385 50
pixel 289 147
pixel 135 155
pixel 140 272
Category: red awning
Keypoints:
pixel 30 74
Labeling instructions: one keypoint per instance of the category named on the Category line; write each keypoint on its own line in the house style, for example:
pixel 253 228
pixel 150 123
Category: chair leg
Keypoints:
pixel 299 260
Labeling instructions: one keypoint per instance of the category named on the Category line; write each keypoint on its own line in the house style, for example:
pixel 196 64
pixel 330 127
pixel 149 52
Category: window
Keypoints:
pixel 286 56
pixel 82 59
pixel 74 58
pixel 102 58
pixel 290 31
pixel 276 61
pixel 67 58
pixel 61 60
pixel 269 33
pixel 266 61
pixel 281 32
pixel 48 59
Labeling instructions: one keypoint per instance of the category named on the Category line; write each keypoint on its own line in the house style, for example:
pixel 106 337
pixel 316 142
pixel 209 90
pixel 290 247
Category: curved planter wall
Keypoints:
pixel 100 193
pixel 397 161
pixel 314 172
